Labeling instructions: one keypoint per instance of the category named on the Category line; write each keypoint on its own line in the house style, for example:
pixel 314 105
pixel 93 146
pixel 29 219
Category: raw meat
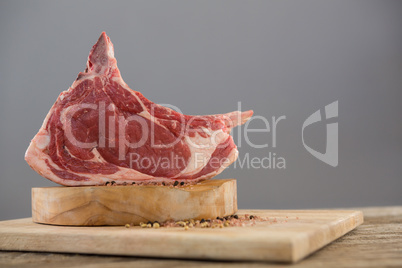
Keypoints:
pixel 100 130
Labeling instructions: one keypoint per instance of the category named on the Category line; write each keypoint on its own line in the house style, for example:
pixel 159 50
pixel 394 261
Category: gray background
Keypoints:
pixel 276 57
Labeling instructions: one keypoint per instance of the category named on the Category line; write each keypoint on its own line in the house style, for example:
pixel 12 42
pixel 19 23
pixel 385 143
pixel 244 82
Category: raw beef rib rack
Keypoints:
pixel 100 130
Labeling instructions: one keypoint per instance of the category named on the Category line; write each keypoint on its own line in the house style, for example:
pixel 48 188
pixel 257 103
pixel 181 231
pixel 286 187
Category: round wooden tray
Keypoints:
pixel 119 205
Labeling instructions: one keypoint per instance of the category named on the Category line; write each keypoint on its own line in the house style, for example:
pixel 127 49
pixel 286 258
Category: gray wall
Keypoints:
pixel 276 57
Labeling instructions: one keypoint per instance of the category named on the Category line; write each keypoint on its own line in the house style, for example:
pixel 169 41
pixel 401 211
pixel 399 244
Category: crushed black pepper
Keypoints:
pixel 218 222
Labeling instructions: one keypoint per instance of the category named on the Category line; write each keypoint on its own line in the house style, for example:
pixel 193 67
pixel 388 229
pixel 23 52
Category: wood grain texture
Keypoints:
pixel 288 237
pixel 376 243
pixel 118 205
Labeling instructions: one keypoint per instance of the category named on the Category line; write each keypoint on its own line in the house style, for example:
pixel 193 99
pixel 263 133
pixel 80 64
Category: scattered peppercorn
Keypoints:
pixel 113 182
pixel 163 183
pixel 133 182
pixel 219 222
pixel 107 183
pixel 176 183
pixel 182 183
pixel 181 223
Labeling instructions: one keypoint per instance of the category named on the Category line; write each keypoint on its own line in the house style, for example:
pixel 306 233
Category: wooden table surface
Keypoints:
pixel 376 243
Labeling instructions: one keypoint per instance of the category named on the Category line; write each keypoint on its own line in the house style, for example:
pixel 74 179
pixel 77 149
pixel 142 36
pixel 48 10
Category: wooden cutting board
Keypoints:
pixel 288 236
pixel 118 205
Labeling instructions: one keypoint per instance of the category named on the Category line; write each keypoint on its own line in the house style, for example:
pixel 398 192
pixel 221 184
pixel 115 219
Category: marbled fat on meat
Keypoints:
pixel 100 130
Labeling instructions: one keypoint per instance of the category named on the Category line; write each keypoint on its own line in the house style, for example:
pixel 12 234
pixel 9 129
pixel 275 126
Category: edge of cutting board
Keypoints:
pixel 290 236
